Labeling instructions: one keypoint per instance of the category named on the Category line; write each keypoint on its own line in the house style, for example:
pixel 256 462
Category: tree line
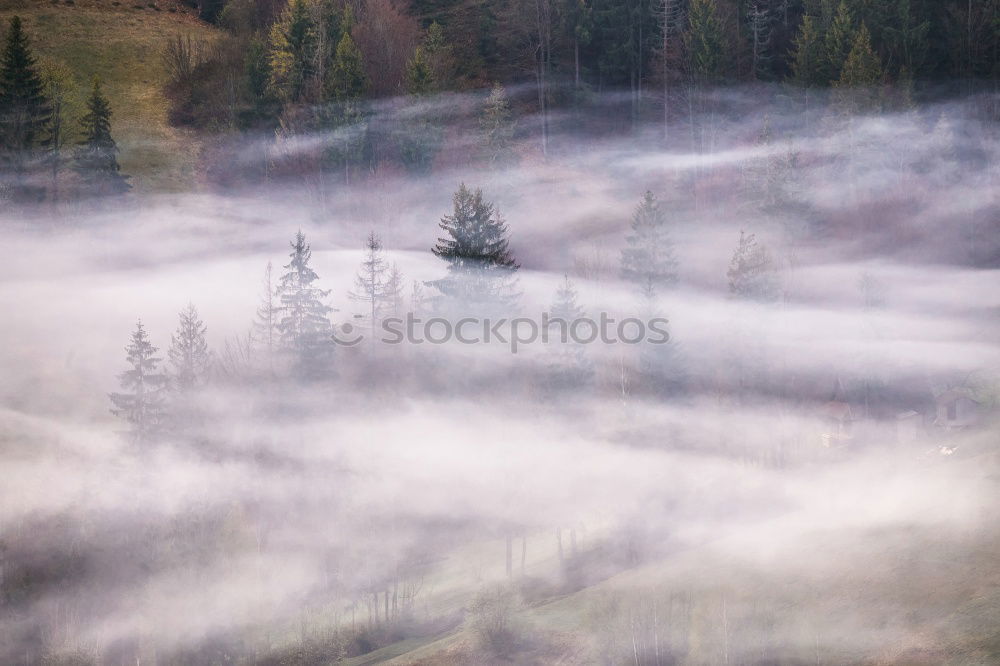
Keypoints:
pixel 292 335
pixel 35 128
pixel 306 65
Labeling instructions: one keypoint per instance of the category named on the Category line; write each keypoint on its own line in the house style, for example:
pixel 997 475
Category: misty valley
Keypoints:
pixel 531 332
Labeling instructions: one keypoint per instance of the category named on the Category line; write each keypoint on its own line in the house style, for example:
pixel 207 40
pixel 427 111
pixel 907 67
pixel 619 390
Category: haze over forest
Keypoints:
pixel 214 214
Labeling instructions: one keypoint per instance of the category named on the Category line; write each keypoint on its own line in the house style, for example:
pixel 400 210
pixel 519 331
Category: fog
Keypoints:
pixel 282 514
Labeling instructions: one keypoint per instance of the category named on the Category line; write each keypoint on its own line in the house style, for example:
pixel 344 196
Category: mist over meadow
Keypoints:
pixel 713 506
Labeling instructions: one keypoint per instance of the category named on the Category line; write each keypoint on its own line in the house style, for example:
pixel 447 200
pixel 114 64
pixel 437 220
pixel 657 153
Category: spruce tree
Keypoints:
pixel 907 37
pixel 861 76
pixel 141 402
pixel 752 274
pixel 567 364
pixel 293 41
pixel 346 80
pixel 24 111
pixel 421 133
pixel 480 264
pixel 497 126
pixel 705 42
pixel 371 282
pixel 838 41
pixel 760 20
pixel 265 325
pixel 419 75
pixel 96 158
pixel 188 352
pixel 393 293
pixel 304 326
pixel 809 64
pixel 648 261
pixel 346 83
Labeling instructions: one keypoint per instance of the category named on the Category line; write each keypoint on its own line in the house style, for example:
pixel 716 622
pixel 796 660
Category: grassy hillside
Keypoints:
pixel 121 41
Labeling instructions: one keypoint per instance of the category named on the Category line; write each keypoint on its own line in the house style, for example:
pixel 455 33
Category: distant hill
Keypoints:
pixel 121 41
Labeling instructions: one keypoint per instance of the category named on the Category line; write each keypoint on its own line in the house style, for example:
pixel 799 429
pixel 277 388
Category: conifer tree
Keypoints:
pixel 838 41
pixel 371 282
pixel 265 325
pixel 438 54
pixel 760 22
pixel 96 157
pixel 704 42
pixel 346 83
pixel 347 80
pixel 496 125
pixel 809 65
pixel 304 326
pixel 394 299
pixel 419 76
pixel 24 111
pixel 861 76
pixel 293 41
pixel 421 133
pixel 141 404
pixel 188 352
pixel 480 264
pixel 648 260
pixel 907 37
pixel 567 364
pixel 751 273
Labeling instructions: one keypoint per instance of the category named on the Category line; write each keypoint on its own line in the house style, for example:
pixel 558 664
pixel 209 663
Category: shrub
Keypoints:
pixel 493 619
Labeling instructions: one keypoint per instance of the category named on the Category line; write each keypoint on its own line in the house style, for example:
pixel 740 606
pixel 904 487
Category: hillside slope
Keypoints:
pixel 121 42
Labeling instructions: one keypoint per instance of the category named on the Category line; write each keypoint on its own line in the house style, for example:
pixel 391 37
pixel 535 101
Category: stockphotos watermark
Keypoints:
pixel 516 332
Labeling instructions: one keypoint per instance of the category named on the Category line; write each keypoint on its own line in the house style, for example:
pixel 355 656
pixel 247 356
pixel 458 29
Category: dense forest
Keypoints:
pixel 371 74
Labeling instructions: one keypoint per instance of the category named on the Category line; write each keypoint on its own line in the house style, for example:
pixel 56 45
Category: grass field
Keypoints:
pixel 121 42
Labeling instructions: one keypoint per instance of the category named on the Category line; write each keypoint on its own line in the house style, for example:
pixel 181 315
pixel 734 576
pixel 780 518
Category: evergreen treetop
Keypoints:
pixel 141 402
pixel 648 260
pixel 188 352
pixel 24 110
pixel 304 326
pixel 838 41
pixel 96 157
pixel 476 249
pixel 347 80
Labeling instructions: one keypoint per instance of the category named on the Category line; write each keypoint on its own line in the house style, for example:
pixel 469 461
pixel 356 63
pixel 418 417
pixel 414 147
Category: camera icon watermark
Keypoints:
pixel 516 332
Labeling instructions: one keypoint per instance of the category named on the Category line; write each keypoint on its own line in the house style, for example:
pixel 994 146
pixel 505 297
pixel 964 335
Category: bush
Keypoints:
pixel 493 619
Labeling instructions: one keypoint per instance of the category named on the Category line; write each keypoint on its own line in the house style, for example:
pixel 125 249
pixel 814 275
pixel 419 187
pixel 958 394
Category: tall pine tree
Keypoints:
pixel 141 404
pixel 497 126
pixel 304 326
pixel 480 264
pixel 838 41
pixel 809 65
pixel 705 42
pixel 293 60
pixel 861 77
pixel 648 260
pixel 752 274
pixel 420 132
pixel 96 158
pixel 371 284
pixel 567 365
pixel 265 324
pixel 24 111
pixel 188 352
